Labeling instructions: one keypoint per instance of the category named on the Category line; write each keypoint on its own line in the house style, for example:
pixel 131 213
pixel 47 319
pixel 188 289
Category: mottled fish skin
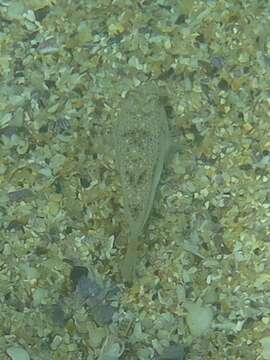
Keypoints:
pixel 141 139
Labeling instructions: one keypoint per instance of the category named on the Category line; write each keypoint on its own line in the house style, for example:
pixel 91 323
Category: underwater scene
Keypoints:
pixel 134 174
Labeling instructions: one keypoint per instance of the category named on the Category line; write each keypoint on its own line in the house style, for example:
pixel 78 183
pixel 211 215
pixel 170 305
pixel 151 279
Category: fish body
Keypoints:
pixel 141 141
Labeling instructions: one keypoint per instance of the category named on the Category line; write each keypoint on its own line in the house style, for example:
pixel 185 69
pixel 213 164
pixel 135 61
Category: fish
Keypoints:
pixel 141 142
